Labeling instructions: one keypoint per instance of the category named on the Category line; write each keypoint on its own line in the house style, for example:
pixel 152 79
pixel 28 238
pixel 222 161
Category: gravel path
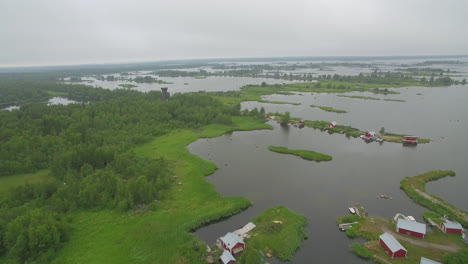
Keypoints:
pixel 452 248
pixel 459 213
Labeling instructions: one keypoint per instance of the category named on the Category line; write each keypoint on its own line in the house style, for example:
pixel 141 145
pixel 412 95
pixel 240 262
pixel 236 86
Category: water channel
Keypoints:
pixel 358 173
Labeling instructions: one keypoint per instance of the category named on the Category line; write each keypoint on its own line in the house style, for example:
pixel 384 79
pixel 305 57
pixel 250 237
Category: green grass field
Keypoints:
pixel 305 154
pixel 281 239
pixel 9 182
pixel 162 235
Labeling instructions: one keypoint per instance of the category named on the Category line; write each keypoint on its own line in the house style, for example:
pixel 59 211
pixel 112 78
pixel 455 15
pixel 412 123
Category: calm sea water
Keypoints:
pixel 358 173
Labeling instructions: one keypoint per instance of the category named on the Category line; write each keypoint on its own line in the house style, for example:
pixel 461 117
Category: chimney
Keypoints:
pixel 165 94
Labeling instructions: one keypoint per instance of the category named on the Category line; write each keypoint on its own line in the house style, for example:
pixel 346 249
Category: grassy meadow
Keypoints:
pixel 163 234
pixel 280 232
pixel 305 154
pixel 9 182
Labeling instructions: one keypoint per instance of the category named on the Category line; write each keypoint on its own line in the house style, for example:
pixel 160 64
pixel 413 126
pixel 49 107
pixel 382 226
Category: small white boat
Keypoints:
pixel 351 210
pixel 410 218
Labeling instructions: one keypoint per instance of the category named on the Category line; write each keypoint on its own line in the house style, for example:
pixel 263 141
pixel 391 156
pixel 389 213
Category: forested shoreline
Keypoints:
pixel 87 149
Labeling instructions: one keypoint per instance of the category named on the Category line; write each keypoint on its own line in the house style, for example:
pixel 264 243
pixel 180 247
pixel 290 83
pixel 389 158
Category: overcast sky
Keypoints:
pixel 45 32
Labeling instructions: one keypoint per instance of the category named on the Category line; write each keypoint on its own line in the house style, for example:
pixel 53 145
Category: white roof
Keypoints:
pixel 231 240
pixel 391 242
pixel 372 133
pixel 226 257
pixel 428 261
pixel 247 228
pixel 411 226
pixel 333 123
pixel 453 225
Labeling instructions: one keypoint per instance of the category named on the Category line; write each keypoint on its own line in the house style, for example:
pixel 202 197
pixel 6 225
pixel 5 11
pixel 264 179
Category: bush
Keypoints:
pixel 361 250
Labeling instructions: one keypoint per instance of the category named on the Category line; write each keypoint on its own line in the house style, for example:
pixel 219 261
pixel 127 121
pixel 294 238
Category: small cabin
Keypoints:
pixel 332 124
pixel 451 227
pixel 392 246
pixel 232 243
pixel 300 124
pixel 369 136
pixel 411 228
pixel 410 140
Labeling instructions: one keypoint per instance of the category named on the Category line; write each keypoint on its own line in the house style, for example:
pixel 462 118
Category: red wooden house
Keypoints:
pixel 411 228
pixel 232 243
pixel 410 140
pixel 451 227
pixel 332 124
pixel 392 246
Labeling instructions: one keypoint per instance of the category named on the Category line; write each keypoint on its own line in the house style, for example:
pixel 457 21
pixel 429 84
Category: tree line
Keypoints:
pixel 86 148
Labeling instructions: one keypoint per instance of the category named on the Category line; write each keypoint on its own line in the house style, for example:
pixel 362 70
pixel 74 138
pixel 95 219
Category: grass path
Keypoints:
pixel 9 182
pixel 163 235
pixel 450 248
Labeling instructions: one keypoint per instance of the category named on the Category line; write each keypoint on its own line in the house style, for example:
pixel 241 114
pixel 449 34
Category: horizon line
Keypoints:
pixel 213 59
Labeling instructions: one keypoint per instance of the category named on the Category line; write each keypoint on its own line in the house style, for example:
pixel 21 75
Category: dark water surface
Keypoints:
pixel 358 173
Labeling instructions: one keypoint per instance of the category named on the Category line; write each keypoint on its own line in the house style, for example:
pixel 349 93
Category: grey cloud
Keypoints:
pixel 70 32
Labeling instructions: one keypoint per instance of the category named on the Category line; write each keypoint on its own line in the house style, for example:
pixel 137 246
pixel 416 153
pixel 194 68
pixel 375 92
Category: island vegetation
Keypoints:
pixel 127 85
pixel 415 188
pixel 358 97
pixel 398 138
pixel 279 233
pixel 305 154
pixel 330 109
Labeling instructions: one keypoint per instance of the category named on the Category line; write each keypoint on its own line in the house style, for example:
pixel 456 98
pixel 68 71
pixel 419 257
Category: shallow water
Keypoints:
pixel 358 173
pixel 60 101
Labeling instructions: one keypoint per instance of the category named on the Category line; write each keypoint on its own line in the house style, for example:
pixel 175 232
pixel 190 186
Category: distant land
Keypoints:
pixel 129 66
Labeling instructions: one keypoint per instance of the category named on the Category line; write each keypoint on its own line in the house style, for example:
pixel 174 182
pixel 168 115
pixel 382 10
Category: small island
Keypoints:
pixel 330 109
pixel 358 97
pixel 279 233
pixel 305 154
pixel 127 85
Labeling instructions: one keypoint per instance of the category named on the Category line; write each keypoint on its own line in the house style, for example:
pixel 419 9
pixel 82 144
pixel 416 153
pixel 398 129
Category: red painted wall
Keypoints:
pixel 238 245
pixel 385 246
pixel 399 254
pixel 411 233
pixel 455 231
pixel 450 230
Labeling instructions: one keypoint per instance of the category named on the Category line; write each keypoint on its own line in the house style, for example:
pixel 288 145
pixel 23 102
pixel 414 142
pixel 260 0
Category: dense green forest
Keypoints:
pixel 85 146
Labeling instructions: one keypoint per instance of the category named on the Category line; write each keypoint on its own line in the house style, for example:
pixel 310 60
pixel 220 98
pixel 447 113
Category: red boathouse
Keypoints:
pixel 410 140
pixel 451 227
pixel 411 228
pixel 232 243
pixel 392 246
